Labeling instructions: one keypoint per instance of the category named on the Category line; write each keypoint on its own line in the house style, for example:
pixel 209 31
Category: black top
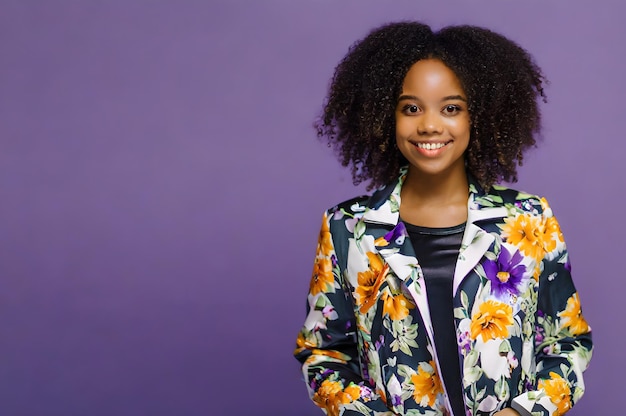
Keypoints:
pixel 437 250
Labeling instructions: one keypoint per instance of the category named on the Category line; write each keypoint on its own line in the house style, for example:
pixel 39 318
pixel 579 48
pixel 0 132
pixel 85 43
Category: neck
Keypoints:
pixel 435 200
pixel 444 188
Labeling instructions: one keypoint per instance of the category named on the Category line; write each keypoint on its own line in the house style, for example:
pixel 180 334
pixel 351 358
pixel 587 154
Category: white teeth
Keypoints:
pixel 430 146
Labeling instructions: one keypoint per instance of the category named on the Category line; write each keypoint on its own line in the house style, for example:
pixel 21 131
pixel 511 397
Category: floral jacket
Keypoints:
pixel 367 347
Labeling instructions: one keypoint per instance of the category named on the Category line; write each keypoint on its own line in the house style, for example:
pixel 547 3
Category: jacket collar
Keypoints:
pixel 383 208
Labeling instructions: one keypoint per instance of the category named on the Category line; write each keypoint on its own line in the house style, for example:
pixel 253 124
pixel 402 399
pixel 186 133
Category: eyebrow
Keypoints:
pixel 448 98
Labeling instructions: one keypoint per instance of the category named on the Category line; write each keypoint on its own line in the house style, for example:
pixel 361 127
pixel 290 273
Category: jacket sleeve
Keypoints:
pixel 327 345
pixel 563 345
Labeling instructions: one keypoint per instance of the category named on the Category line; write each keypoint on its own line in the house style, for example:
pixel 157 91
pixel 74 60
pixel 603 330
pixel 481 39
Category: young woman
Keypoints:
pixel 441 293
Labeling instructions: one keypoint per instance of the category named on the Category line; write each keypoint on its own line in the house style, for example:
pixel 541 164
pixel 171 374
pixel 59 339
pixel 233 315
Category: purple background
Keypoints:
pixel 161 190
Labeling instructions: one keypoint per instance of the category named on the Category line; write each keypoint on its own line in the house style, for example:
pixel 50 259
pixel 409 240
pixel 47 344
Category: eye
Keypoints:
pixel 410 109
pixel 451 109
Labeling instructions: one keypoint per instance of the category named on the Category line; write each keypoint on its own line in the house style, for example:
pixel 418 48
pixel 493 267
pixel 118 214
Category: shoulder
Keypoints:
pixel 350 207
pixel 514 200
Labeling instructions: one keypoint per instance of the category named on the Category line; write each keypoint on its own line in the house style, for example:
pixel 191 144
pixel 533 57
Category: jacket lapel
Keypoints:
pixel 392 243
pixel 395 246
pixel 397 251
pixel 476 241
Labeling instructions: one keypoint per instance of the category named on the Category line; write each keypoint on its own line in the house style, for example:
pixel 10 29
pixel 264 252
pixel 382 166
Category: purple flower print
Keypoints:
pixel 540 335
pixel 512 360
pixel 338 214
pixel 526 205
pixel 379 342
pixel 366 393
pixel 328 312
pixel 397 235
pixel 528 386
pixel 465 342
pixel 505 273
pixel 350 223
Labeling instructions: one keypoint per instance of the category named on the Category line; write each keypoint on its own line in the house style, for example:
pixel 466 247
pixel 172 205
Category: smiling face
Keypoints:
pixel 432 121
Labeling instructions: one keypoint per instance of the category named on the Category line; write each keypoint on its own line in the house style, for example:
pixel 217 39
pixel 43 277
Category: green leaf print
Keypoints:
pixel 505 347
pixel 471 371
pixel 394 205
pixel 464 300
pixel 359 230
pixel 405 371
pixel 502 389
pixel 460 313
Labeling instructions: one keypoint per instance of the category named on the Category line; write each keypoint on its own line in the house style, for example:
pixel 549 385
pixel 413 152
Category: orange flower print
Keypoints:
pixel 302 342
pixel 527 233
pixel 381 242
pixel 324 241
pixel 551 223
pixel 427 384
pixel 552 228
pixel 369 282
pixel 332 354
pixel 323 279
pixel 396 305
pixel 558 391
pixel 330 396
pixel 553 234
pixel 573 318
pixel 491 321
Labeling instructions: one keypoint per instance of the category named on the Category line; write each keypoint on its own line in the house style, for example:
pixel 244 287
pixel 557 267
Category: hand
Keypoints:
pixel 507 412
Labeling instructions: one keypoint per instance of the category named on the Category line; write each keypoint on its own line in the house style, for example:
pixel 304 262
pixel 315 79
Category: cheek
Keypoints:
pixel 460 127
pixel 403 127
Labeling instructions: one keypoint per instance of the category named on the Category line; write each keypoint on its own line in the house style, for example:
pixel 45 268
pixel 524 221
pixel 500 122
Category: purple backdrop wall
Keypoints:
pixel 161 190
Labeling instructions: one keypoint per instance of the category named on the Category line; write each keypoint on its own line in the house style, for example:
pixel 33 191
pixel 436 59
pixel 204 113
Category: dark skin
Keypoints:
pixel 432 132
pixel 439 206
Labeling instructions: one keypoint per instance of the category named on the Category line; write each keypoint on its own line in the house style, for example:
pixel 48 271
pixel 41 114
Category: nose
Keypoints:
pixel 429 123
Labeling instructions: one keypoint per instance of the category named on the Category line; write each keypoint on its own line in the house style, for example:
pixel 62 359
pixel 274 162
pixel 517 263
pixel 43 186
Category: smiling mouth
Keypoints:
pixel 429 145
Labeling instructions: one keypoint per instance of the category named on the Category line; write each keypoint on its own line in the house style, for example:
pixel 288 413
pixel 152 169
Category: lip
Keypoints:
pixel 433 152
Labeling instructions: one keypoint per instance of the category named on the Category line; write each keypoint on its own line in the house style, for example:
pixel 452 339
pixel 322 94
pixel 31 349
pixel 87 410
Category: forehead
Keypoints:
pixel 431 75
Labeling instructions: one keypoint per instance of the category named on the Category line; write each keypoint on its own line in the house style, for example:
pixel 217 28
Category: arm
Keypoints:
pixel 327 344
pixel 563 345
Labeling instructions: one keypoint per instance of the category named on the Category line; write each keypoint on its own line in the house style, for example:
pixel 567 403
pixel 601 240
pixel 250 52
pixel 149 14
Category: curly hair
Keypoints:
pixel 500 79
